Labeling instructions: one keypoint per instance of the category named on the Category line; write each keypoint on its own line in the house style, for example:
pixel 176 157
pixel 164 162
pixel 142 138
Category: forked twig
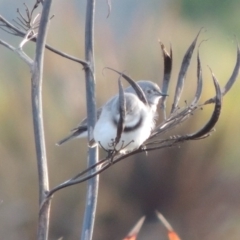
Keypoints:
pixel 11 29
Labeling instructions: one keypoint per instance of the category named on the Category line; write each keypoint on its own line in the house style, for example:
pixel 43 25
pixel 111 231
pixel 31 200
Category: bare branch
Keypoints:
pixel 79 178
pixel 7 45
pixel 35 6
pixel 17 32
pixel 19 52
pixel 20 23
pixel 28 22
pixel 43 224
pixel 27 38
pixel 36 68
pixel 65 55
pixel 92 185
pixel 22 19
pixel 5 30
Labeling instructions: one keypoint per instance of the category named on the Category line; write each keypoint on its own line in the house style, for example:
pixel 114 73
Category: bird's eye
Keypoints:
pixel 149 91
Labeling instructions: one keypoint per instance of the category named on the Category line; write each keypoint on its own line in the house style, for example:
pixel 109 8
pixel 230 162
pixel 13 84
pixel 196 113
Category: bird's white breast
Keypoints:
pixel 105 130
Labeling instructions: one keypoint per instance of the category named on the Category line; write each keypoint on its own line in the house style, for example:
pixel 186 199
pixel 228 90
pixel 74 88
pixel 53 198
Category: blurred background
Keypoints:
pixel 196 186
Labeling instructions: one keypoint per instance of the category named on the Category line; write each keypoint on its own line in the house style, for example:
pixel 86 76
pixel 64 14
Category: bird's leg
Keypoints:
pixel 144 148
pixel 127 144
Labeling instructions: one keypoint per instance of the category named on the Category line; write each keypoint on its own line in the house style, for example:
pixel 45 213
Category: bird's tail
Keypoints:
pixel 80 132
pixel 69 137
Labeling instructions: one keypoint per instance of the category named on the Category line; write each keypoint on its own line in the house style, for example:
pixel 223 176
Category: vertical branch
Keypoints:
pixel 37 72
pixel 92 187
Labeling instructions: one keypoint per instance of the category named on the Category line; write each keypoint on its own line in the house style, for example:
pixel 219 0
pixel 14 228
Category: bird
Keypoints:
pixel 139 120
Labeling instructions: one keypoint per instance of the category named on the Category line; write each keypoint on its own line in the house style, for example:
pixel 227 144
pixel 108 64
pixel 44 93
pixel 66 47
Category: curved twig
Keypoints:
pixel 167 58
pixel 234 75
pixel 231 80
pixel 182 73
pixel 199 81
pixel 215 115
pixel 134 85
pixel 122 112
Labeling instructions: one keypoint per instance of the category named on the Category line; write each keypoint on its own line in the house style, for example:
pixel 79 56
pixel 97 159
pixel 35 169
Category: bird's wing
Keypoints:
pixel 73 134
pixel 83 123
pixel 77 131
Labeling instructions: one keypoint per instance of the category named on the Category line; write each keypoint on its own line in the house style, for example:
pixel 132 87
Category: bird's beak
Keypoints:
pixel 162 94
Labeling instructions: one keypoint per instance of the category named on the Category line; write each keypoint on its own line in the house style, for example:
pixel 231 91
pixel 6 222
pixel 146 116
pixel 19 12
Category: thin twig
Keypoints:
pixel 19 52
pixel 17 32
